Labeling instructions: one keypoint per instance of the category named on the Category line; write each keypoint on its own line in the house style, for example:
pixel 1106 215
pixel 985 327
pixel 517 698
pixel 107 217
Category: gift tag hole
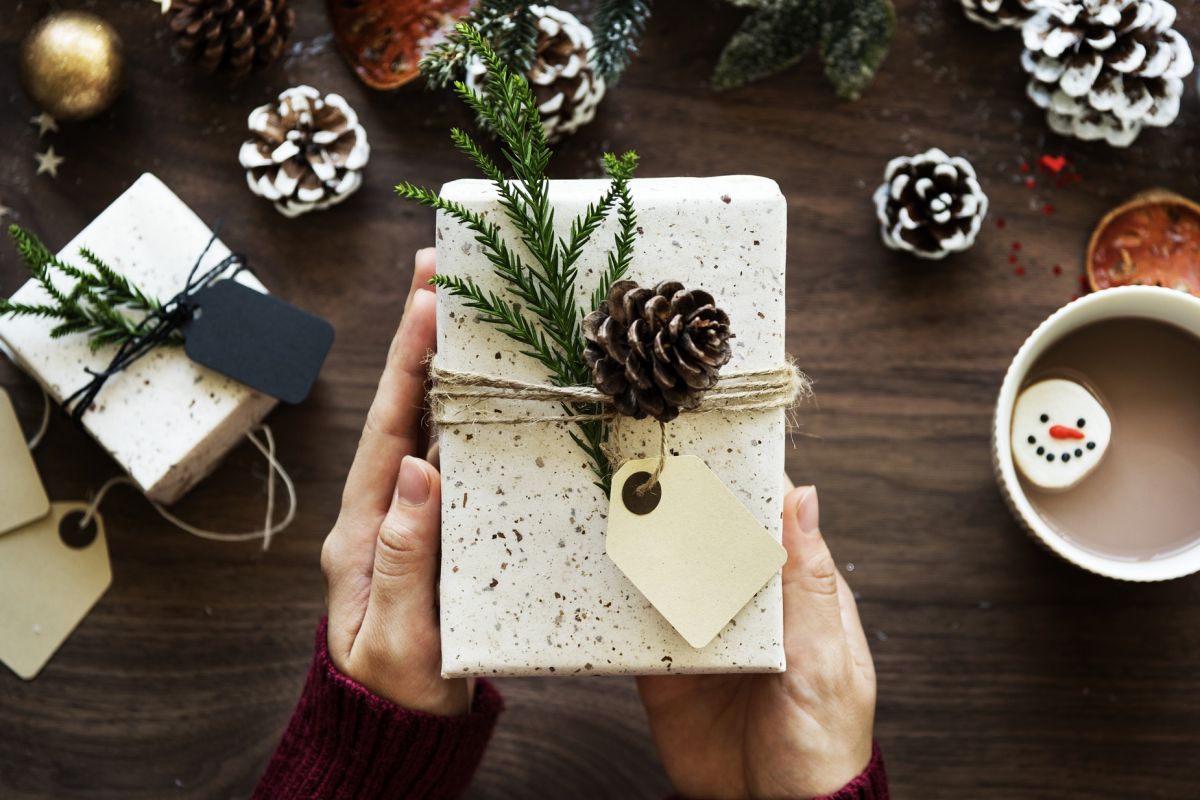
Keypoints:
pixel 73 534
pixel 640 503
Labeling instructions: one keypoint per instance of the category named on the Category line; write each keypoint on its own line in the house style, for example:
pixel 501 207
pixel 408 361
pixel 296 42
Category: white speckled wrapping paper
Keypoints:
pixel 526 587
pixel 165 419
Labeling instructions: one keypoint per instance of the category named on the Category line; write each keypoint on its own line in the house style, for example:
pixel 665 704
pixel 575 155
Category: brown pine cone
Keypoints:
pixel 231 36
pixel 656 351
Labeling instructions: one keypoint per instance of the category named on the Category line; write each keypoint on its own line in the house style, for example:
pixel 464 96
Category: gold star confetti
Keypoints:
pixel 46 124
pixel 49 161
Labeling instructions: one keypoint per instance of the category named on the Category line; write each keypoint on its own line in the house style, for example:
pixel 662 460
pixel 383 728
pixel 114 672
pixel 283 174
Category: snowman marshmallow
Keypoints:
pixel 1060 433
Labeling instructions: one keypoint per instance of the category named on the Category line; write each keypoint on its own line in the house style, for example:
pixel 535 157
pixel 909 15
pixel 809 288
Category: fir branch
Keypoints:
pixel 619 25
pixel 546 320
pixel 95 304
pixel 509 28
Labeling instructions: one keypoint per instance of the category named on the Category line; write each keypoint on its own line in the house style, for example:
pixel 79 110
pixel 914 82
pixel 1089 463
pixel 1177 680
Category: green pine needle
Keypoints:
pixel 94 306
pixel 543 314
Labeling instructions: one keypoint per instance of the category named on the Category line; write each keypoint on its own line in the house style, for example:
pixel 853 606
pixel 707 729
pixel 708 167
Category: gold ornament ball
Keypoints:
pixel 71 65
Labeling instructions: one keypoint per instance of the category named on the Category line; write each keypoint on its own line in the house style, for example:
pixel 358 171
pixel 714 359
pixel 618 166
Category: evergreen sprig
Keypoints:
pixel 544 314
pixel 618 26
pixel 96 303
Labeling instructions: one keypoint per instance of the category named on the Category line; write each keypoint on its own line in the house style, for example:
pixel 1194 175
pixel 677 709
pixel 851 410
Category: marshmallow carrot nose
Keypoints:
pixel 1063 432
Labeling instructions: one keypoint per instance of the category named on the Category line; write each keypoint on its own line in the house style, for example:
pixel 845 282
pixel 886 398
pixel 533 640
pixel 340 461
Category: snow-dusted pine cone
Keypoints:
pixel 997 14
pixel 565 84
pixel 930 205
pixel 1104 69
pixel 656 351
pixel 305 152
pixel 231 36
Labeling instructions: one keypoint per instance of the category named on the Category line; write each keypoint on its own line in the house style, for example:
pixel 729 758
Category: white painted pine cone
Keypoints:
pixel 930 205
pixel 305 152
pixel 566 86
pixel 1105 69
pixel 998 14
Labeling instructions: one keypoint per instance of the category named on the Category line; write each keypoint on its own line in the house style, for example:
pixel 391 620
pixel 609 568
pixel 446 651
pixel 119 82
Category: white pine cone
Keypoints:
pixel 1104 69
pixel 565 84
pixel 930 205
pixel 998 14
pixel 305 152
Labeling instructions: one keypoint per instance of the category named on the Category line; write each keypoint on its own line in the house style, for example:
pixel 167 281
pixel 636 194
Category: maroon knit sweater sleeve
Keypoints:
pixel 345 743
pixel 870 784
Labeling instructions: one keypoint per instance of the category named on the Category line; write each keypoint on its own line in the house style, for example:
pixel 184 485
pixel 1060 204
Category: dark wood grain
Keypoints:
pixel 1003 673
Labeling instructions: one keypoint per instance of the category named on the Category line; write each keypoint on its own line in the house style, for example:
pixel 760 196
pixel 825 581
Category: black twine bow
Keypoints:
pixel 156 328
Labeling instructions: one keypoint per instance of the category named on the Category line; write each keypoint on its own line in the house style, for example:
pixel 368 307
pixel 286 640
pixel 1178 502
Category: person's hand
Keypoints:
pixel 381 558
pixel 801 733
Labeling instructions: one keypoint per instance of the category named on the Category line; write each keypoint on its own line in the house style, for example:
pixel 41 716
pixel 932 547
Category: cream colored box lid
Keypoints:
pixel 165 419
pixel 526 587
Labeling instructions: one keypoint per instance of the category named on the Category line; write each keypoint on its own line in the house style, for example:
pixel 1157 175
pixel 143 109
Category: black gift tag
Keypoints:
pixel 256 339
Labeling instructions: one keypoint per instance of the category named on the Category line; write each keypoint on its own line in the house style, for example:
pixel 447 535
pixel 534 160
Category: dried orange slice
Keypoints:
pixel 1152 240
pixel 384 40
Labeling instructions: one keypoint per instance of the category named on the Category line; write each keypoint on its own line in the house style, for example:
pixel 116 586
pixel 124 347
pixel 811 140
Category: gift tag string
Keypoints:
pixel 157 327
pixel 270 527
pixel 275 470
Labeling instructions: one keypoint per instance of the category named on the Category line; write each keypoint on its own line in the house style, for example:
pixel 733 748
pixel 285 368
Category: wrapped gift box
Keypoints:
pixel 166 420
pixel 526 587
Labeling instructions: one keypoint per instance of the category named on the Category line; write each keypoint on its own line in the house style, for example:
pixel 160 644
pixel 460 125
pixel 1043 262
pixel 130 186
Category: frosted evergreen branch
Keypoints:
pixel 618 26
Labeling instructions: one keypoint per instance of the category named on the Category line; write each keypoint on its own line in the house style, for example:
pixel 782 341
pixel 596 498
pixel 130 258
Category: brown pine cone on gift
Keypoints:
pixel 231 36
pixel 305 152
pixel 656 351
pixel 566 86
pixel 997 14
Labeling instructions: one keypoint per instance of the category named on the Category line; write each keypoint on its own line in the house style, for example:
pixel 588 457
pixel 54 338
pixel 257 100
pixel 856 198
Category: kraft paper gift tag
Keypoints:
pixel 689 545
pixel 49 580
pixel 22 496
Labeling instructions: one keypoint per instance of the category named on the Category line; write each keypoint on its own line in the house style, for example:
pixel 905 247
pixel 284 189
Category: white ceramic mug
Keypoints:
pixel 1148 302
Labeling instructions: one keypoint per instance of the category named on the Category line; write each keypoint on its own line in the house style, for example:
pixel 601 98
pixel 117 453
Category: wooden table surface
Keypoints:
pixel 1002 671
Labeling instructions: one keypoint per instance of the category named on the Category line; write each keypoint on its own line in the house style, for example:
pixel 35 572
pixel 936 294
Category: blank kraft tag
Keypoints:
pixel 256 339
pixel 689 545
pixel 22 496
pixel 49 580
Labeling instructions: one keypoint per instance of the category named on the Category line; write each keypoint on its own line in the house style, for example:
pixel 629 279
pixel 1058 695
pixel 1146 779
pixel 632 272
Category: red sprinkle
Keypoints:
pixel 1025 168
pixel 1019 271
pixel 1057 269
pixel 1012 259
pixel 1047 209
pixel 1053 164
pixel 1000 223
pixel 1016 245
pixel 1030 183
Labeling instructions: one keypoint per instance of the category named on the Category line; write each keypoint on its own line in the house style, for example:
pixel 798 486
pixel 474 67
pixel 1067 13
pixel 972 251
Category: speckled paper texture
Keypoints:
pixel 165 419
pixel 526 587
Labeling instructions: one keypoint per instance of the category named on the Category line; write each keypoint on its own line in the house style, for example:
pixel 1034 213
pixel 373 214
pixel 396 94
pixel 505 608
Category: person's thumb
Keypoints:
pixel 404 581
pixel 811 612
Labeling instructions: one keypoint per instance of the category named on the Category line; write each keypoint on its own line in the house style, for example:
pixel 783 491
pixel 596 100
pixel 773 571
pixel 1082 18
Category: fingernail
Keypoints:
pixel 807 509
pixel 413 486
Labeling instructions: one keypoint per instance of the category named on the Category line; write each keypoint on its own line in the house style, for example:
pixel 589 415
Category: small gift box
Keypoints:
pixel 165 419
pixel 527 587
